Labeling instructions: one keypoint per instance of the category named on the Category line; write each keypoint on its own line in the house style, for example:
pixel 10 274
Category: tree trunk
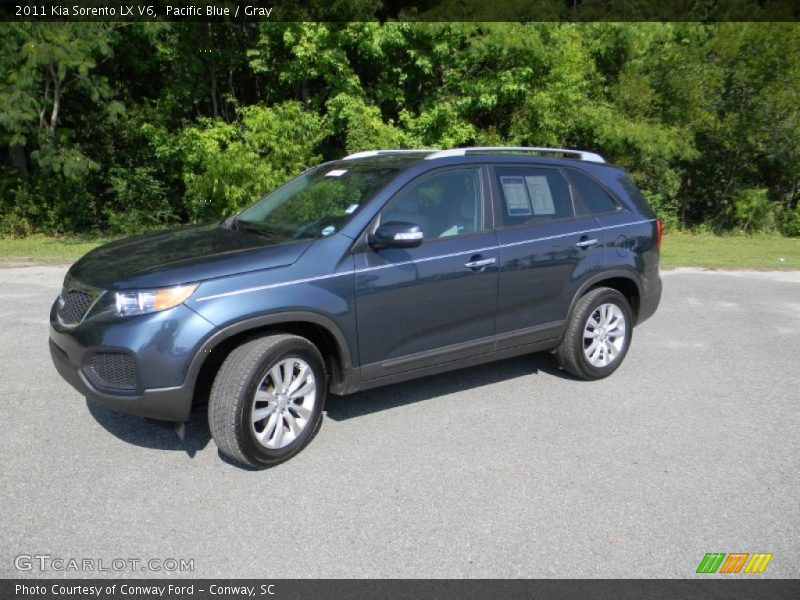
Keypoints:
pixel 214 99
pixel 230 85
pixel 17 158
pixel 51 128
pixel 42 123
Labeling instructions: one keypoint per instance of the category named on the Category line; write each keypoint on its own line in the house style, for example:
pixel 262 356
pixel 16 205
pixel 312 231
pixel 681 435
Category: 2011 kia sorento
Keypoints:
pixel 378 268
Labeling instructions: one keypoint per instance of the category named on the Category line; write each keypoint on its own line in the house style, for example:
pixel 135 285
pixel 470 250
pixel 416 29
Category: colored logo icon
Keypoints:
pixel 736 562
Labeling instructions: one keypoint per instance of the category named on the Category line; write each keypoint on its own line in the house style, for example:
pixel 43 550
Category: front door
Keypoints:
pixel 434 303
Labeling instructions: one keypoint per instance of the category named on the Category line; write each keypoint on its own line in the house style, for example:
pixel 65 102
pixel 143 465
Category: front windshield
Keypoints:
pixel 317 203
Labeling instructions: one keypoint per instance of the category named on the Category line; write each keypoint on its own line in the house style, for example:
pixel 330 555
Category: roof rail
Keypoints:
pixel 580 154
pixel 367 153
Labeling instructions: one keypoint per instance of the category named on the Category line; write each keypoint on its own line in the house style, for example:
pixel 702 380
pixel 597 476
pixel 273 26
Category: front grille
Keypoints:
pixel 114 370
pixel 73 304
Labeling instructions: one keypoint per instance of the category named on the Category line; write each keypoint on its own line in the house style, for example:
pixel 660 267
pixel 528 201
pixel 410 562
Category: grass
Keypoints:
pixel 762 251
pixel 679 250
pixel 45 249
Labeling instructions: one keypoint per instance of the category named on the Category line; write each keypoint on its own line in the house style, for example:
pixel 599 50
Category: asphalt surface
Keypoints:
pixel 507 470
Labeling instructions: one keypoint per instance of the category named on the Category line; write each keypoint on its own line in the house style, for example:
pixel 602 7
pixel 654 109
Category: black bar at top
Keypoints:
pixel 383 10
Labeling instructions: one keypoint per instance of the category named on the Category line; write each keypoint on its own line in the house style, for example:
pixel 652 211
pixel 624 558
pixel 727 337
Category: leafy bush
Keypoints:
pixel 704 115
pixel 230 165
pixel 790 222
pixel 363 127
pixel 140 202
pixel 752 211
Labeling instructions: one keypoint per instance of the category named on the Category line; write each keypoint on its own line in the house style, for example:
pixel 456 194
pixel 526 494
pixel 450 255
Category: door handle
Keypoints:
pixel 587 243
pixel 479 264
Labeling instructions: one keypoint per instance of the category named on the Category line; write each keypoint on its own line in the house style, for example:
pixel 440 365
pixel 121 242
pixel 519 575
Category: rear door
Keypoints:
pixel 547 243
pixel 609 211
pixel 434 303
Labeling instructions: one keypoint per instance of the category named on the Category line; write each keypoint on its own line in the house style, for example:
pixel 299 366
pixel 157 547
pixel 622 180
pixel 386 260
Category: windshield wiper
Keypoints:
pixel 256 228
pixel 303 229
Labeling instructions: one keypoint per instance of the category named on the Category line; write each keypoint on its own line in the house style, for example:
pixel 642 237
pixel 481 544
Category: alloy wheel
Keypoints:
pixel 604 335
pixel 284 403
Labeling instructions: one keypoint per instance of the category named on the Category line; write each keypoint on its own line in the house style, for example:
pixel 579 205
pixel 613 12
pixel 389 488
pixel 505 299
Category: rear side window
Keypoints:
pixel 597 200
pixel 532 195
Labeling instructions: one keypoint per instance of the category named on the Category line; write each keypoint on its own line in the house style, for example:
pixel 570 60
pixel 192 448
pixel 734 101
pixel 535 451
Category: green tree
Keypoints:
pixel 129 127
pixel 230 165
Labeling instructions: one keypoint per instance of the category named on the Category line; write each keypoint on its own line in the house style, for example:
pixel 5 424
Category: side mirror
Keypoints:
pixel 397 234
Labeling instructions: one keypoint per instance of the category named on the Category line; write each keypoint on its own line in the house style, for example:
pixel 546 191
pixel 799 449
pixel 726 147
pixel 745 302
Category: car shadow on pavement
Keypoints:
pixel 161 435
pixel 340 408
pixel 149 433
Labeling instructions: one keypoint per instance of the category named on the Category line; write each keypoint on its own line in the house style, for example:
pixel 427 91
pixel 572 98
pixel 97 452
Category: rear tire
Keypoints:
pixel 267 399
pixel 598 335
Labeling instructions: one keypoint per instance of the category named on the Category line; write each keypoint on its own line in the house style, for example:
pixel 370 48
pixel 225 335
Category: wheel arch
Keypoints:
pixel 318 329
pixel 625 281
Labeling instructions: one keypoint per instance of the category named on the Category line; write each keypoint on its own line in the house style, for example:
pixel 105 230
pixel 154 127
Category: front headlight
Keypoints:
pixel 148 301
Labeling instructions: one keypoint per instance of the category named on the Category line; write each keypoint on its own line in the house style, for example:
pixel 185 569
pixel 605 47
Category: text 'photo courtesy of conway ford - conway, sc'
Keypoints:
pixel 381 267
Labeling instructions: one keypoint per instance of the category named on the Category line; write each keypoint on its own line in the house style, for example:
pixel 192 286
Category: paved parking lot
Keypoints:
pixel 507 470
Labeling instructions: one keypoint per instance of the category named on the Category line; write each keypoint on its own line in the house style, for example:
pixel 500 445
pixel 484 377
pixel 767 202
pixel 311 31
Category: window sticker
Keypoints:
pixel 517 201
pixel 454 230
pixel 541 197
pixel 351 209
pixel 329 230
pixel 336 173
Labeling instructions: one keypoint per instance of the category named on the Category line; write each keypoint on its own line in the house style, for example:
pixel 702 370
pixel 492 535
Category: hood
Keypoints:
pixel 182 255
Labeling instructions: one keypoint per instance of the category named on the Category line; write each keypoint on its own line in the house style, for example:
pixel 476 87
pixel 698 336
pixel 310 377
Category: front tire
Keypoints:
pixel 598 335
pixel 267 399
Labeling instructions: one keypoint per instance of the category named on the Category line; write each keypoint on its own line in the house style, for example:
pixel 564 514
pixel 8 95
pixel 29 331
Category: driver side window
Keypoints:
pixel 443 205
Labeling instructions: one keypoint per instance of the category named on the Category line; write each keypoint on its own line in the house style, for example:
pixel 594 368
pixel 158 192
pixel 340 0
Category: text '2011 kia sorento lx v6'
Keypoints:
pixel 378 268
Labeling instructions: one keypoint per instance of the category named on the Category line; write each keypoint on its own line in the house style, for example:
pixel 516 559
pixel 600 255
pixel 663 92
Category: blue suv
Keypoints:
pixel 381 267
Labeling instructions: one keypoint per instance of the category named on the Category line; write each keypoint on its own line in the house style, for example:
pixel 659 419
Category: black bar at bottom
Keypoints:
pixel 381 589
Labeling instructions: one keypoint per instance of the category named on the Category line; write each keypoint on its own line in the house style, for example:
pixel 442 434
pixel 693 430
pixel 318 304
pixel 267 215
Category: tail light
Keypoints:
pixel 659 232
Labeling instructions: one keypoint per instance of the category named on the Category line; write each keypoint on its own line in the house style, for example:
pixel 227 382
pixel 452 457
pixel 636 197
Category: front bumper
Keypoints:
pixel 167 404
pixel 161 347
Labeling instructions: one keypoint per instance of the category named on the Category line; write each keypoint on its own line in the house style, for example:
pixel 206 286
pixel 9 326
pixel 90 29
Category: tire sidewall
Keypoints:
pixel 293 347
pixel 607 296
